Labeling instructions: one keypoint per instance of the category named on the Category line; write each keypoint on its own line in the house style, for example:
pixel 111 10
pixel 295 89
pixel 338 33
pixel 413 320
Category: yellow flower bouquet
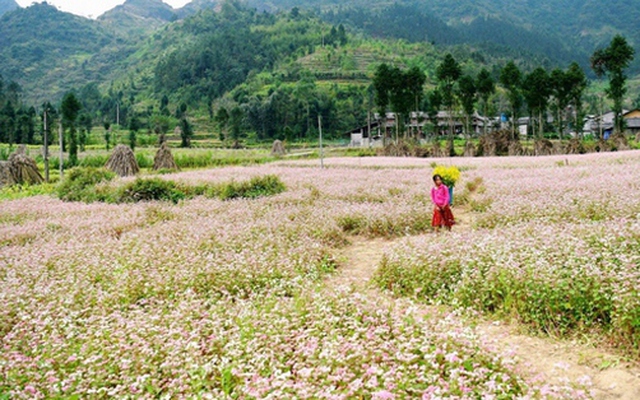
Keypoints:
pixel 450 175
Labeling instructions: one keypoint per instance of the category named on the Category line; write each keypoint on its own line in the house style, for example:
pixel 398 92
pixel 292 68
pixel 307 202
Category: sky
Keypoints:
pixel 92 8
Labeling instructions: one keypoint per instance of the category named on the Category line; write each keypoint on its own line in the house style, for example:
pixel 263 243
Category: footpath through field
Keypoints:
pixel 550 361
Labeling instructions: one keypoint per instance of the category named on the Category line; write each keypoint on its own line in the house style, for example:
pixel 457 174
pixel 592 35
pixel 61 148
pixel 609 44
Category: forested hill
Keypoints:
pixel 561 29
pixel 146 49
pixel 40 42
pixel 7 5
pixel 138 16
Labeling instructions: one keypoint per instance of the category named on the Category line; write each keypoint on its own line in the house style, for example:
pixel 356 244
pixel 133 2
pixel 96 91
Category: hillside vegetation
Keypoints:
pixel 276 70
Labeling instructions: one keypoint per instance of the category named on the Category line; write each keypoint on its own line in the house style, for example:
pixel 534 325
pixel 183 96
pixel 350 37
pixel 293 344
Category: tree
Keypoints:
pixel 561 90
pixel 612 61
pixel 8 123
pixel 186 132
pixel 400 97
pixel 537 90
pixel 578 83
pixel 160 124
pixel 511 79
pixel 222 119
pixel 433 107
pixel 467 93
pixel 70 109
pixel 382 89
pixel 107 134
pixel 485 86
pixel 415 80
pixel 448 73
pixel 134 127
pixel 85 128
pixel 236 120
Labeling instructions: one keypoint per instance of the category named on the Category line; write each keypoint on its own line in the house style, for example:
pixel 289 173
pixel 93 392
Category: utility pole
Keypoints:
pixel 320 134
pixel 46 148
pixel 61 154
pixel 369 128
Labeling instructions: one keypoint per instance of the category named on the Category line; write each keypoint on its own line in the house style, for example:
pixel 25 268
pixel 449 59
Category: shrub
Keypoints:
pixel 79 184
pixel 259 186
pixel 95 161
pixel 149 190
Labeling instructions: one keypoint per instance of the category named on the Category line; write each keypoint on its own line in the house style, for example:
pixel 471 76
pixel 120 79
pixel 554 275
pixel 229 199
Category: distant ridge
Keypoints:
pixel 138 16
pixel 7 6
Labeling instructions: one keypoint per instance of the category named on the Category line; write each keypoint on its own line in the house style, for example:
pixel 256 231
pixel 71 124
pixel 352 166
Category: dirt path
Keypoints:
pixel 552 361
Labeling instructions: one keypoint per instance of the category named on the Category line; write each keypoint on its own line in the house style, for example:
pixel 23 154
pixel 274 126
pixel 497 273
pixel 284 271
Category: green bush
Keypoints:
pixel 80 183
pixel 95 161
pixel 149 190
pixel 89 184
pixel 144 161
pixel 259 186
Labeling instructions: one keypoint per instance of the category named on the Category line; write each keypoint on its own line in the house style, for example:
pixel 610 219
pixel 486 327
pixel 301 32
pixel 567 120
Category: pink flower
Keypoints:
pixel 384 395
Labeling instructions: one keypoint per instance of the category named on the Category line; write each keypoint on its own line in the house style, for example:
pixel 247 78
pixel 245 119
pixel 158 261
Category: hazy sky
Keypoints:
pixel 92 8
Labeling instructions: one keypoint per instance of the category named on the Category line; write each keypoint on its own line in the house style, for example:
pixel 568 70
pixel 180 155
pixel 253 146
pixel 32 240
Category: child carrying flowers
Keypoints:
pixel 442 215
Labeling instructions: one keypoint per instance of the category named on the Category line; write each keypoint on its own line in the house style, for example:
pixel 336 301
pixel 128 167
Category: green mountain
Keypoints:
pixel 52 59
pixel 138 17
pixel 198 5
pixel 145 57
pixel 562 30
pixel 7 5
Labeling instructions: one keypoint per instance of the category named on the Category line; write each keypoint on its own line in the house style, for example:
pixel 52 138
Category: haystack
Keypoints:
pixel 20 169
pixel 543 147
pixel 277 149
pixel 122 161
pixel 436 151
pixel 620 141
pixel 6 179
pixel 469 149
pixel 515 148
pixel 602 146
pixel 495 143
pixel 575 146
pixel 164 159
pixel 449 151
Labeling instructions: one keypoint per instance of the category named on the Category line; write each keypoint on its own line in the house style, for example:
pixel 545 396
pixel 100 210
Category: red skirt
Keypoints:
pixel 443 217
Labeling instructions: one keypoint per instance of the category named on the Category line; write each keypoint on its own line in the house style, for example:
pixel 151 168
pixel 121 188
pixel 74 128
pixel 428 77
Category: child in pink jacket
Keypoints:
pixel 442 215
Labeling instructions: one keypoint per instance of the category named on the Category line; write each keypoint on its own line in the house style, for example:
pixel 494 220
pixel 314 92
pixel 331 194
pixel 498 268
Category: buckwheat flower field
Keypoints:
pixel 227 299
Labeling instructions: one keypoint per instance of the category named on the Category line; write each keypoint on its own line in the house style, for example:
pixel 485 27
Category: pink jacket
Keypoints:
pixel 440 195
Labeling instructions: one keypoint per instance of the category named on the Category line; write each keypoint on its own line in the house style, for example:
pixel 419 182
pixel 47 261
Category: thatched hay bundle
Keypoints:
pixel 6 178
pixel 495 143
pixel 469 149
pixel 543 147
pixel 575 146
pixel 277 149
pixel 400 149
pixel 122 161
pixel 403 148
pixel 24 169
pixel 164 159
pixel 515 148
pixel 449 151
pixel 620 141
pixel 602 146
pixel 436 151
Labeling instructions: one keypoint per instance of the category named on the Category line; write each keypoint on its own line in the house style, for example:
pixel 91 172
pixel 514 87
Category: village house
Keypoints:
pixel 370 135
pixel 603 125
